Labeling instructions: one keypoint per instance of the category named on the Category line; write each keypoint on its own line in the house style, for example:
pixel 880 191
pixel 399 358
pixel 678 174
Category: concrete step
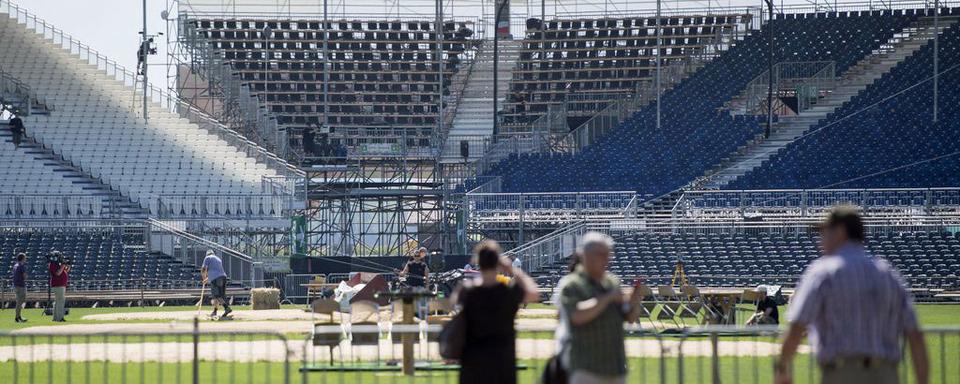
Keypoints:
pixel 474 115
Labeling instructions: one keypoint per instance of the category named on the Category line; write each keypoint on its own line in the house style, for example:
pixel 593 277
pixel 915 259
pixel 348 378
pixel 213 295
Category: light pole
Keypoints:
pixel 267 31
pixel 496 57
pixel 936 58
pixel 769 127
pixel 326 71
pixel 145 53
pixel 440 64
pixel 657 56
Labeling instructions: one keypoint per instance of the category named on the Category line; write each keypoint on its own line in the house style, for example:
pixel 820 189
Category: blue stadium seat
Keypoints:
pixel 694 135
pixel 891 127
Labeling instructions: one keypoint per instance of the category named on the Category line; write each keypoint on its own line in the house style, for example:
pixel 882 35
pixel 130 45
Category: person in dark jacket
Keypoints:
pixel 416 271
pixel 490 308
pixel 20 285
pixel 17 129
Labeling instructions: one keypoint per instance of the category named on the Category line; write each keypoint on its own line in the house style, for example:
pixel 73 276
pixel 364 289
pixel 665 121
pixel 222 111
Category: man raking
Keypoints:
pixel 212 273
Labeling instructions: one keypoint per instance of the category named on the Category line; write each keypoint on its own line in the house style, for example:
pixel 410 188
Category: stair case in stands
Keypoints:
pixel 473 120
pixel 856 79
pixel 115 205
pixel 17 97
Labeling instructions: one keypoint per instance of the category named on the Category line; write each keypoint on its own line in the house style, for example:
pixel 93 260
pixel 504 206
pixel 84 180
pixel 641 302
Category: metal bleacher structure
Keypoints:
pixel 539 203
pixel 348 126
pixel 135 200
pixel 379 92
pixel 362 101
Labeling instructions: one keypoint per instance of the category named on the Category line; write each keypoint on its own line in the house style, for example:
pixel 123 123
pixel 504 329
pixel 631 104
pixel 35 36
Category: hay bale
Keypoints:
pixel 265 298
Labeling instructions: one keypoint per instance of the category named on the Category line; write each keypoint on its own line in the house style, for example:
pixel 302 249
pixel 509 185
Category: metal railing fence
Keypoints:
pixel 171 239
pixel 241 206
pixel 907 203
pixel 807 80
pixel 563 206
pixel 177 353
pixel 374 353
pixel 9 85
pixel 487 184
pixel 56 207
pixel 549 250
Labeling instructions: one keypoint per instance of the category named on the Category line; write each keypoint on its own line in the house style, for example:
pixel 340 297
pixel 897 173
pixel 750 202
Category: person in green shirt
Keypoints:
pixel 596 309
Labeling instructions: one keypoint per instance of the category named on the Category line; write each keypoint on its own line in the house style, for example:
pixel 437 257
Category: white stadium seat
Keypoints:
pixel 95 126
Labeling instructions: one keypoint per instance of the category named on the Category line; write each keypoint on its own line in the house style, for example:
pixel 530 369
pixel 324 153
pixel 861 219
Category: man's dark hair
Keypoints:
pixel 846 216
pixel 21 256
pixel 488 254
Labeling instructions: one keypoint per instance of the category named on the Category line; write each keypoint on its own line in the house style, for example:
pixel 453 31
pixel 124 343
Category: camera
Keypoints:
pixel 59 258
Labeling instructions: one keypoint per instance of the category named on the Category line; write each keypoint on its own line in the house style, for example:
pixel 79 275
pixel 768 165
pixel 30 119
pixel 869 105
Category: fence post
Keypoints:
pixel 679 361
pixel 196 352
pixel 663 363
pixel 714 358
pixel 286 359
pixel 522 212
pixel 803 203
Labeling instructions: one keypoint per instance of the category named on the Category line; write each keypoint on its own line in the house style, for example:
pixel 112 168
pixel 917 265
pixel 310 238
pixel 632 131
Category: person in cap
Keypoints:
pixel 212 272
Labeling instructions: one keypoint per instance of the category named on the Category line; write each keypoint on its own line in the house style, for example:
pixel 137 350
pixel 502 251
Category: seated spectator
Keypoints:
pixel 490 308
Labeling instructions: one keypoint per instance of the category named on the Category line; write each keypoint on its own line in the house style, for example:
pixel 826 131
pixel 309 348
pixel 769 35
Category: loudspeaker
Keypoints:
pixel 464 149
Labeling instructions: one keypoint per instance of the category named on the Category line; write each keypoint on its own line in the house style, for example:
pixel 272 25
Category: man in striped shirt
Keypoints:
pixel 856 310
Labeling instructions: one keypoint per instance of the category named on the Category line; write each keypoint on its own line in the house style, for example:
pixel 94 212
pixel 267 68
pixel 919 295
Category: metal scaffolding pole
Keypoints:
pixel 766 131
pixel 659 43
pixel 496 59
pixel 145 47
pixel 936 59
pixel 326 70
pixel 439 60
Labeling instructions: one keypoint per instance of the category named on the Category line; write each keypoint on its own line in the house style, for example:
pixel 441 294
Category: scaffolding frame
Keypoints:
pixel 374 206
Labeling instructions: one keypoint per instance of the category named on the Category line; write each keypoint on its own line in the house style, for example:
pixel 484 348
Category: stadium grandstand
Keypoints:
pixel 373 133
pixel 317 147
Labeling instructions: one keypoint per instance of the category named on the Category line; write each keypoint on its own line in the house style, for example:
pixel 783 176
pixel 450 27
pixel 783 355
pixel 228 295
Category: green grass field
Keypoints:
pixel 944 351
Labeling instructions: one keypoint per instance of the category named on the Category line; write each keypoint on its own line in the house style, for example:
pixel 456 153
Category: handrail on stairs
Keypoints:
pixel 238 265
pixel 10 84
pixel 549 248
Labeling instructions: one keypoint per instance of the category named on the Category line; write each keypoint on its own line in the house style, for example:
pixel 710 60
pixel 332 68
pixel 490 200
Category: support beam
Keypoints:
pixel 936 59
pixel 769 127
pixel 145 55
pixel 326 67
pixel 439 60
pixel 659 51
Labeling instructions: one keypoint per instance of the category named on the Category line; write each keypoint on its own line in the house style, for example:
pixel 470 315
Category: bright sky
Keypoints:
pixel 109 26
